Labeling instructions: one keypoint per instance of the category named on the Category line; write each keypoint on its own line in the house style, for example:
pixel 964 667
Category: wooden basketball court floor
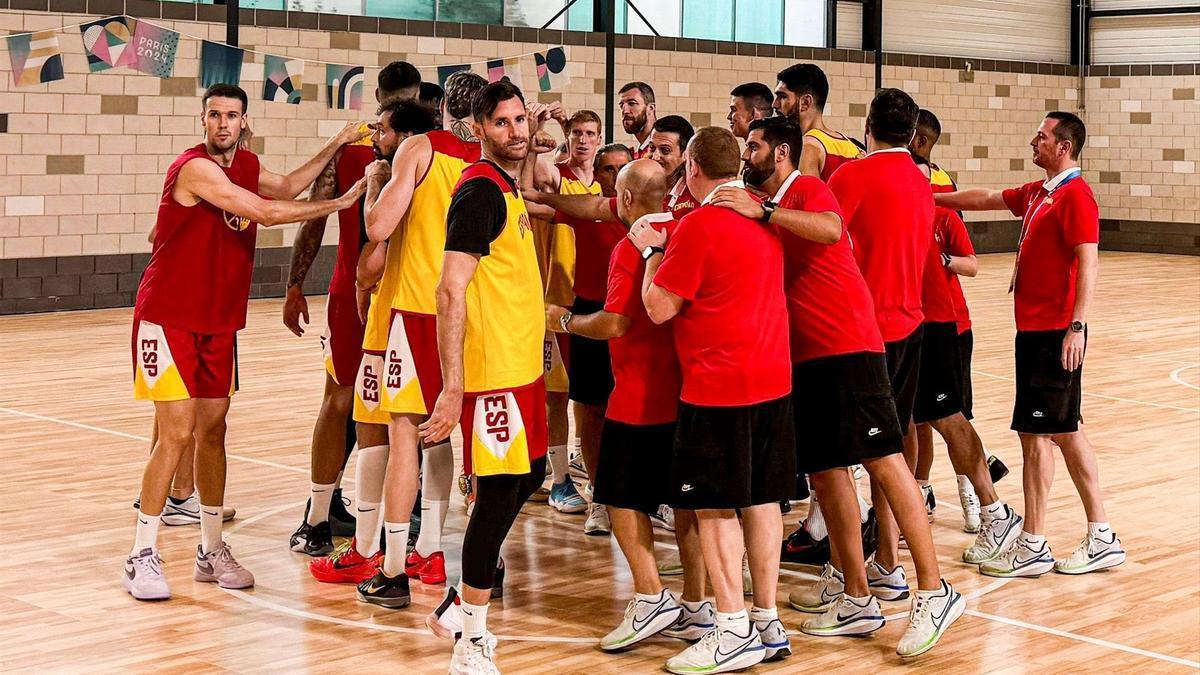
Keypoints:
pixel 73 441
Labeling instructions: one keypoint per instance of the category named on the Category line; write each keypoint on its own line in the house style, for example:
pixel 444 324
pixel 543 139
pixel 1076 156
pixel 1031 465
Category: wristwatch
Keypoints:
pixel 651 250
pixel 1078 326
pixel 768 208
pixel 564 320
pixel 945 259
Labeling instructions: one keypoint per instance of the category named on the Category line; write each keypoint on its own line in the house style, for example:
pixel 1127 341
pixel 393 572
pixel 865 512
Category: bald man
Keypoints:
pixel 633 472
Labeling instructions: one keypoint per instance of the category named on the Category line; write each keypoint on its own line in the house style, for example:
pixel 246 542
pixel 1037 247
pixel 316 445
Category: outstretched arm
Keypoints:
pixel 602 325
pixel 975 199
pixel 583 207
pixel 204 180
pixel 288 186
pixel 823 227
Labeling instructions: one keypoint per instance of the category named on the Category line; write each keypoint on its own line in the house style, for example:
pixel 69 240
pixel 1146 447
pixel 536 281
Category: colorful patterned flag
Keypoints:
pixel 282 79
pixel 220 64
pixel 154 50
pixel 446 71
pixel 551 69
pixel 345 86
pixel 505 68
pixel 35 58
pixel 107 41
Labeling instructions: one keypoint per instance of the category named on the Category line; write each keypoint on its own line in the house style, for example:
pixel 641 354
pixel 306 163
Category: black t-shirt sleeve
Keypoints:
pixel 476 217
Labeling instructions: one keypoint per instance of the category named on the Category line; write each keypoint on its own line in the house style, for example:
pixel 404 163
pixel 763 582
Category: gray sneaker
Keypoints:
pixel 187 512
pixel 144 578
pixel 219 567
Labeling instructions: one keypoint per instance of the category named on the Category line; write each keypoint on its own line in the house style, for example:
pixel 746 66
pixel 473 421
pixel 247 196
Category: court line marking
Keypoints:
pixel 1179 380
pixel 267 604
pixel 1167 406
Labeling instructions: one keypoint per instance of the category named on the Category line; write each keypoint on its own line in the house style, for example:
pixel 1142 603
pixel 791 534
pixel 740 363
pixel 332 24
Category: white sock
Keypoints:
pixel 758 614
pixel 649 598
pixel 397 543
pixel 474 620
pixel 815 523
pixel 1031 540
pixel 692 607
pixel 1095 528
pixel 210 528
pixel 319 498
pixel 863 509
pixel 437 477
pixel 559 463
pixel 735 622
pixel 994 510
pixel 366 528
pixel 337 484
pixel 923 483
pixel 964 483
pixel 146 534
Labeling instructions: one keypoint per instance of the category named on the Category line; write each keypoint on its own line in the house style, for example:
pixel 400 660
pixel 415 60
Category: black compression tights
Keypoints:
pixel 498 500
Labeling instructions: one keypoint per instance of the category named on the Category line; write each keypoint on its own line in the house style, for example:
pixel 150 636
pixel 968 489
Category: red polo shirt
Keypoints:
pixel 1057 215
pixel 888 208
pixel 645 368
pixel 732 333
pixel 829 306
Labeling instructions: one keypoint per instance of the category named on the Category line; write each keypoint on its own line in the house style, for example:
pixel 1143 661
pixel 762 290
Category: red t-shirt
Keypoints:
pixel 1054 224
pixel 352 234
pixel 829 306
pixel 645 368
pixel 940 288
pixel 198 278
pixel 594 243
pixel 941 181
pixel 732 332
pixel 888 208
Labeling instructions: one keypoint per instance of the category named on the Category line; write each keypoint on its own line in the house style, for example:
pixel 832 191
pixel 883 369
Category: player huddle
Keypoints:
pixel 736 323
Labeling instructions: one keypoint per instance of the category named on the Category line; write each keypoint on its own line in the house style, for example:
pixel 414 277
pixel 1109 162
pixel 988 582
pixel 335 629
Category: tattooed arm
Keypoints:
pixel 305 248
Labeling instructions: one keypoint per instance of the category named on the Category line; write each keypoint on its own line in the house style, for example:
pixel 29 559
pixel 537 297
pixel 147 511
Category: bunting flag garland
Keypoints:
pixel 500 69
pixel 107 41
pixel 154 50
pixel 220 64
pixel 282 79
pixel 35 58
pixel 551 69
pixel 345 85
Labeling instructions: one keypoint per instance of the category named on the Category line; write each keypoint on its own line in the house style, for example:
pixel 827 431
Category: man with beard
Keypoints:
pixel 801 95
pixel 190 304
pixel 748 102
pixel 491 361
pixel 638 115
pixel 334 435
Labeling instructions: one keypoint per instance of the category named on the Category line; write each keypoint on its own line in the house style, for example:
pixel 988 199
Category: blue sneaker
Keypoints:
pixel 565 498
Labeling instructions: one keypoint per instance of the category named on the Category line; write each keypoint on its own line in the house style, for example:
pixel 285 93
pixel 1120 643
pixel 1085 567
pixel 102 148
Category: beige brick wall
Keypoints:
pixel 83 158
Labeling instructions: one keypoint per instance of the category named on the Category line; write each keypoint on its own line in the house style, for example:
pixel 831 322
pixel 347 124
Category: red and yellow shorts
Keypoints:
pixel 556 354
pixel 367 385
pixel 175 365
pixel 506 429
pixel 343 339
pixel 412 369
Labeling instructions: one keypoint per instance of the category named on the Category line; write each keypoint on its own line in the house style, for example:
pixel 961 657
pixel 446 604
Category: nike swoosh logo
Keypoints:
pixel 129 572
pixel 395 531
pixel 211 513
pixel 842 619
pixel 658 609
pixel 686 488
pixel 874 432
pixel 365 510
pixel 941 397
pixel 1022 563
pixel 205 568
pixel 722 657
pixel 937 618
pixel 372 588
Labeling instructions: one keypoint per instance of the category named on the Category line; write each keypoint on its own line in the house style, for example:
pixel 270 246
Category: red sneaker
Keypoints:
pixel 345 566
pixel 431 570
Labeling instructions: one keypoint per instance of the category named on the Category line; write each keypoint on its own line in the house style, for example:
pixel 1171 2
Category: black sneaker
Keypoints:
pixel 385 591
pixel 801 548
pixel 313 540
pixel 996 468
pixel 341 522
pixel 870 535
pixel 498 580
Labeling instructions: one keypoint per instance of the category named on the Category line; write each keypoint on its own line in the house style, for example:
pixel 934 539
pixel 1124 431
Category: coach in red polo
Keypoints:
pixel 1053 282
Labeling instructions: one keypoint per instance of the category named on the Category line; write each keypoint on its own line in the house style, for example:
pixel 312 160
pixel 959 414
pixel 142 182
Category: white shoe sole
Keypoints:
pixel 659 624
pixel 809 609
pixel 956 612
pixel 564 508
pixel 739 662
pixel 857 628
pixel 1027 572
pixel 1106 562
pixel 164 594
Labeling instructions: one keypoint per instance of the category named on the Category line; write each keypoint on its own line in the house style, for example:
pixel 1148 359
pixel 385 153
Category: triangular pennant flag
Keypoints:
pixel 154 50
pixel 445 72
pixel 107 42
pixel 220 64
pixel 345 86
pixel 282 79
pixel 35 58
pixel 551 68
pixel 509 68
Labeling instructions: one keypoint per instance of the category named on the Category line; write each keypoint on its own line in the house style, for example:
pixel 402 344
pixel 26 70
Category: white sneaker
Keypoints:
pixel 970 505
pixel 821 595
pixel 693 625
pixel 565 497
pixel 643 619
pixel 664 518
pixel 720 651
pixel 474 657
pixel 774 638
pixel 930 501
pixel 886 585
pixel 1094 553
pixel 445 621
pixel 188 512
pixel 747 580
pixel 994 537
pixel 575 467
pixel 847 616
pixel 597 523
pixel 144 578
pixel 931 614
pixel 1022 559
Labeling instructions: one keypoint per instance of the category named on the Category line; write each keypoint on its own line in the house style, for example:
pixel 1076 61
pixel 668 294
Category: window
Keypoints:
pixel 759 21
pixel 662 14
pixel 709 19
pixel 804 23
